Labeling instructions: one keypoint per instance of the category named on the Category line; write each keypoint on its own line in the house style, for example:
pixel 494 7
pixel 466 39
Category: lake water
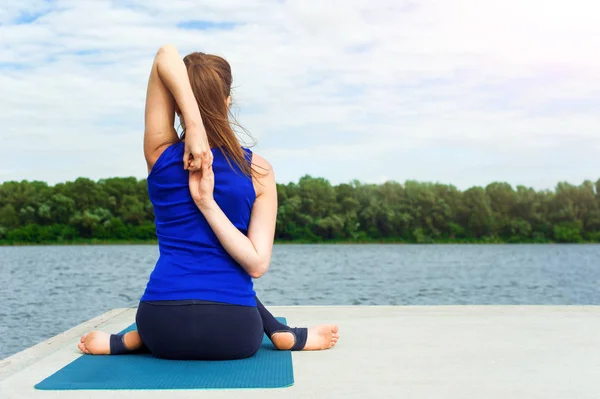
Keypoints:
pixel 48 289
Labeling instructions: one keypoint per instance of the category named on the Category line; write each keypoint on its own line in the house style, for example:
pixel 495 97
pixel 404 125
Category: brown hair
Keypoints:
pixel 211 79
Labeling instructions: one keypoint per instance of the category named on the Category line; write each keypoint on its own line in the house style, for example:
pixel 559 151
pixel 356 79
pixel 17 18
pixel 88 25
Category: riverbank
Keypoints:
pixel 92 241
pixel 299 242
pixel 446 352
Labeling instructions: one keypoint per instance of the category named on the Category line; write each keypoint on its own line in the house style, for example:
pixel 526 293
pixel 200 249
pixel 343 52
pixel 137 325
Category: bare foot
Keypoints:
pixel 320 337
pixel 98 342
pixel 95 343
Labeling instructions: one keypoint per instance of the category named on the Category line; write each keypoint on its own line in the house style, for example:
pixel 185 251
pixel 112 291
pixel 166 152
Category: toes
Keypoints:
pixel 334 339
pixel 83 337
pixel 82 348
pixel 334 329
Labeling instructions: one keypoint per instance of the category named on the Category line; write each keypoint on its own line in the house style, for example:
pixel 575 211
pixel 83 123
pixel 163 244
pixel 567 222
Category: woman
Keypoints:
pixel 215 222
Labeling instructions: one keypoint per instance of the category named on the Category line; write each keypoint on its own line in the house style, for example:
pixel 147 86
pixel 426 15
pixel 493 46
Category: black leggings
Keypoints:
pixel 205 330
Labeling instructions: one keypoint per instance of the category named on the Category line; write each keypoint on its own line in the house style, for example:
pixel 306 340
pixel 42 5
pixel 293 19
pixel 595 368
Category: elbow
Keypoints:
pixel 255 274
pixel 166 51
pixel 258 271
pixel 167 48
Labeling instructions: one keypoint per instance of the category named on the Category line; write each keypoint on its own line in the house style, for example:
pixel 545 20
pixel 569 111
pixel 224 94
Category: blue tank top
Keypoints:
pixel 192 263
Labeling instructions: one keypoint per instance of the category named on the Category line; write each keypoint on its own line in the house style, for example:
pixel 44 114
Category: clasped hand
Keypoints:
pixel 198 159
pixel 196 150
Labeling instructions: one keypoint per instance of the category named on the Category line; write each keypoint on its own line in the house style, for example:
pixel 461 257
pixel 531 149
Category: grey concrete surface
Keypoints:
pixel 388 352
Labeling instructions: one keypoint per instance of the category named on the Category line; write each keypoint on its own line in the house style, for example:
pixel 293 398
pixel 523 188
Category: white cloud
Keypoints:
pixel 463 92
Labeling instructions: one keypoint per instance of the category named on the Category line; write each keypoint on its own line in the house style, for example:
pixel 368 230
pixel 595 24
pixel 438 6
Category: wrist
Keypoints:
pixel 193 120
pixel 206 205
pixel 195 130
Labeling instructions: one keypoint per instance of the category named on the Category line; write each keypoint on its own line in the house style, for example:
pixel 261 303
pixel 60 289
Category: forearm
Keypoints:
pixel 173 73
pixel 237 245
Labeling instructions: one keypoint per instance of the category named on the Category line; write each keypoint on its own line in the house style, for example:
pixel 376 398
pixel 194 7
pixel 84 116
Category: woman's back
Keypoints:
pixel 208 248
pixel 193 264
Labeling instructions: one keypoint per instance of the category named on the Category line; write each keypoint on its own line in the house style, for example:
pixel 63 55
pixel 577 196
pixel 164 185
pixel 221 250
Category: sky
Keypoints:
pixel 462 92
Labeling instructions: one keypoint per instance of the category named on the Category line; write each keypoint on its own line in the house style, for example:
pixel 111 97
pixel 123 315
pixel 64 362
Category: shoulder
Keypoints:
pixel 266 175
pixel 262 164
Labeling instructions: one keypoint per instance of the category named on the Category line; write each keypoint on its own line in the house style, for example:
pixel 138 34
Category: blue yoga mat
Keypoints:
pixel 269 368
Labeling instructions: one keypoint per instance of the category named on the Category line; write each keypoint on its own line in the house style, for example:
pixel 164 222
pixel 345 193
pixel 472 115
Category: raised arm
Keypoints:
pixel 252 252
pixel 168 87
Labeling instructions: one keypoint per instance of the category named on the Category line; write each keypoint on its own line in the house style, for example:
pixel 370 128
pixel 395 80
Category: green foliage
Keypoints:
pixel 568 232
pixel 313 210
pixel 9 218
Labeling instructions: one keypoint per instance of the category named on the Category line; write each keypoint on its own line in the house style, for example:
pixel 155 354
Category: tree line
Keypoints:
pixel 313 210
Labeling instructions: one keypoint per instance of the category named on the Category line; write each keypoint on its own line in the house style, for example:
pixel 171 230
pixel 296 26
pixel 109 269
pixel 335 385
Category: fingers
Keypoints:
pixel 208 155
pixel 186 159
pixel 206 160
pixel 206 165
pixel 194 161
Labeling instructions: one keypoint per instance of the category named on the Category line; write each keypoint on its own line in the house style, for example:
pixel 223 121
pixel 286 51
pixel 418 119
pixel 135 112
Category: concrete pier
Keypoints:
pixel 388 352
